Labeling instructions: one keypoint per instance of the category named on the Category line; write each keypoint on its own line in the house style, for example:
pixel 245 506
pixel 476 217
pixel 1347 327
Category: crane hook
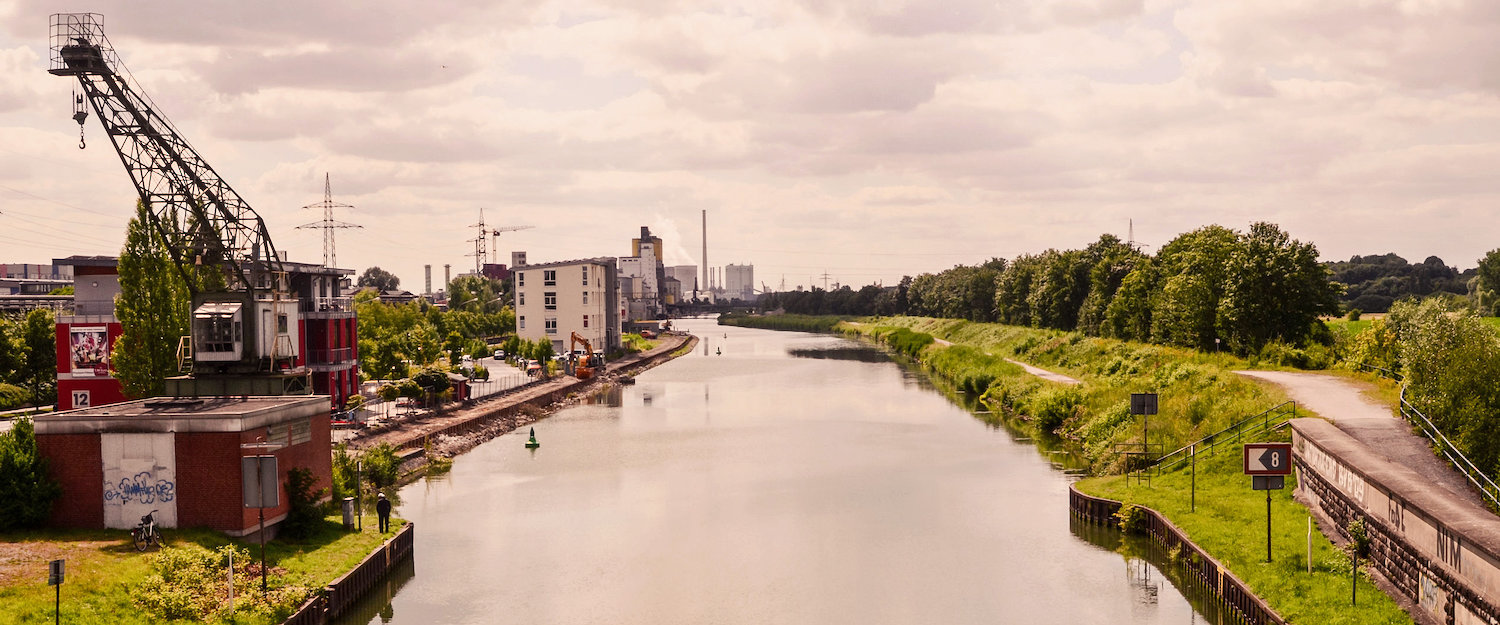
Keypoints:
pixel 80 114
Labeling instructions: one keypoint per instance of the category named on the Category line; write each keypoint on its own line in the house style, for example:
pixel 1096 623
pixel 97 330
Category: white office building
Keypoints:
pixel 739 282
pixel 554 300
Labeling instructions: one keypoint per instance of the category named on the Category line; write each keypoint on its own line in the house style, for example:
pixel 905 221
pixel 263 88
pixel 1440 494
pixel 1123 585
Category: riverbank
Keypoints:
pixel 451 433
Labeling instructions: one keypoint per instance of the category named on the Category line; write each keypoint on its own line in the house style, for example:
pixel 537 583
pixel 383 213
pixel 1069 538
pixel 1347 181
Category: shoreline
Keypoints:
pixel 448 434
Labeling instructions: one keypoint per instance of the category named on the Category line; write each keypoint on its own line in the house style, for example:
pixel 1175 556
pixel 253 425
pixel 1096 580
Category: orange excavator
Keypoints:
pixel 582 368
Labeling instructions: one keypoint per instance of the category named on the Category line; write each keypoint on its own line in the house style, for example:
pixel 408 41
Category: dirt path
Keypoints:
pixel 1344 402
pixel 1044 374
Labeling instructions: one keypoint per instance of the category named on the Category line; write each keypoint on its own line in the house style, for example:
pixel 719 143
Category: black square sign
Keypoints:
pixel 1143 403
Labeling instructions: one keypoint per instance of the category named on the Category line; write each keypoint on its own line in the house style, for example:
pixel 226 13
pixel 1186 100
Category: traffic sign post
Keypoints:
pixel 1144 404
pixel 1268 464
pixel 55 580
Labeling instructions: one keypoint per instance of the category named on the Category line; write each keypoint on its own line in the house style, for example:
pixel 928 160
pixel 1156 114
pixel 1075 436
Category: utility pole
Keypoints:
pixel 825 280
pixel 329 224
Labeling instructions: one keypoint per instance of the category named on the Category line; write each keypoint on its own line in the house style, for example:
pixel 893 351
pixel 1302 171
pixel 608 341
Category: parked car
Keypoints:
pixel 499 354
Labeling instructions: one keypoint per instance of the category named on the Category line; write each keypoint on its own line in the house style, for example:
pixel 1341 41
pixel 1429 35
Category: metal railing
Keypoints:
pixel 330 356
pixel 1447 449
pixel 1273 418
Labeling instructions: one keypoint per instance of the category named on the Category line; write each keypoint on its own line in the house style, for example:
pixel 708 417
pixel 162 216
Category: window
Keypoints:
pixel 585 321
pixel 521 298
pixel 551 323
pixel 549 299
pixel 281 324
pixel 585 297
pixel 520 278
pixel 585 276
pixel 549 277
pixel 521 322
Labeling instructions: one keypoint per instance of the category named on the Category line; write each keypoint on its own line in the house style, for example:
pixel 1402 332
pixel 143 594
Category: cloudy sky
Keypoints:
pixel 865 138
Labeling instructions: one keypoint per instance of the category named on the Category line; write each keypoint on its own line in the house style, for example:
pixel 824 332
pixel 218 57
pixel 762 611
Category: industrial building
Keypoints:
pixel 326 333
pixel 554 300
pixel 739 282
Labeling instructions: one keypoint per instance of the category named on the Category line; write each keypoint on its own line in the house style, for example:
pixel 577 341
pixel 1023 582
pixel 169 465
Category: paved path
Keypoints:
pixel 1345 403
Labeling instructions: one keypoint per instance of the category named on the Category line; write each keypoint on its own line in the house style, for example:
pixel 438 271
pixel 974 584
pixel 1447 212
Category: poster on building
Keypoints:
pixel 90 349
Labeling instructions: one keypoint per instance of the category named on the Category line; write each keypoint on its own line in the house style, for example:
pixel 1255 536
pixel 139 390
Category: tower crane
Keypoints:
pixel 244 315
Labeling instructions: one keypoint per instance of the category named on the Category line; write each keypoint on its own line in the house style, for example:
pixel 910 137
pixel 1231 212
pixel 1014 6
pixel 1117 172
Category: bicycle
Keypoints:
pixel 145 533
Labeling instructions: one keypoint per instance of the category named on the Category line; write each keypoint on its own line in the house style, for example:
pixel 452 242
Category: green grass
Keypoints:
pixel 103 566
pixel 1230 524
pixel 636 343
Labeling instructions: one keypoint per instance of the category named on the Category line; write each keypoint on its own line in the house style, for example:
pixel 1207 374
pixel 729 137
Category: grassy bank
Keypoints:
pixel 1199 393
pixel 1230 523
pixel 105 573
pixel 798 323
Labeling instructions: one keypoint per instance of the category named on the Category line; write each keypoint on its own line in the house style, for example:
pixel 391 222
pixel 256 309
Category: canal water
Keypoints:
pixel 768 477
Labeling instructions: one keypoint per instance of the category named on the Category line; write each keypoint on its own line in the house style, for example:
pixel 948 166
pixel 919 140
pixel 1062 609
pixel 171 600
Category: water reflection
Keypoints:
pixel 1146 564
pixel 844 351
pixel 375 607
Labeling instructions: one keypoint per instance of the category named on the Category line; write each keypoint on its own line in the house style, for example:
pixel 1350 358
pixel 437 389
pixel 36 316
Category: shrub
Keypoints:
pixel 1131 519
pixel 188 582
pixel 345 477
pixel 27 490
pixel 1054 406
pixel 1354 314
pixel 381 466
pixel 304 514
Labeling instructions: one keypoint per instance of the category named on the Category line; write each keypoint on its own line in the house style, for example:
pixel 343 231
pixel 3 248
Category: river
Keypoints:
pixel 769 477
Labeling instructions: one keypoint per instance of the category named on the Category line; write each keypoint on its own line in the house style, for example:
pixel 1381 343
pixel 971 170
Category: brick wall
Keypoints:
pixel 208 480
pixel 74 461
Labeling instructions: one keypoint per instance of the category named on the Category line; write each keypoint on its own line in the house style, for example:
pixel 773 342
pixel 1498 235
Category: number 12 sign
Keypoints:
pixel 1268 459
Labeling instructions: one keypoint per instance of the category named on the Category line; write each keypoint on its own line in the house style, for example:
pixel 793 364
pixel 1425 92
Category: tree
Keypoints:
pixel 1274 290
pixel 38 372
pixel 12 352
pixel 475 294
pixel 153 309
pixel 27 490
pixel 379 278
pixel 1489 280
pixel 1193 268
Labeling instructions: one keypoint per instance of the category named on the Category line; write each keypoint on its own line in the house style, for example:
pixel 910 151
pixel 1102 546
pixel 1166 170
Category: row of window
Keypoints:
pixel 549 277
pixel 549 324
pixel 549 299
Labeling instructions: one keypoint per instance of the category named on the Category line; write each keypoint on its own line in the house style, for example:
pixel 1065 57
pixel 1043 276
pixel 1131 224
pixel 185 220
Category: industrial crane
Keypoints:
pixel 244 316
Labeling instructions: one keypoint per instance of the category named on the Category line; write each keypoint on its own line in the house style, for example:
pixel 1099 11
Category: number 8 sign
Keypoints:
pixel 1268 458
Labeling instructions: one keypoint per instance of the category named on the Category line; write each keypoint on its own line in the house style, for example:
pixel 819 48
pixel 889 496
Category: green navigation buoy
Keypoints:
pixel 531 443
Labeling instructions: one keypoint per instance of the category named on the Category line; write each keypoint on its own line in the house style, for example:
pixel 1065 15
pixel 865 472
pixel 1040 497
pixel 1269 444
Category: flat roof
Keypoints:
pixel 602 260
pixel 184 414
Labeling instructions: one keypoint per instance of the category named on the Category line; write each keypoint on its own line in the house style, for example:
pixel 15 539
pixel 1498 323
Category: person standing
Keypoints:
pixel 383 510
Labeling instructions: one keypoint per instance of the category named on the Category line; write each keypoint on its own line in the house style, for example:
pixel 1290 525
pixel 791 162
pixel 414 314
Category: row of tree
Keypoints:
pixel 1207 288
pixel 1372 283
pixel 396 339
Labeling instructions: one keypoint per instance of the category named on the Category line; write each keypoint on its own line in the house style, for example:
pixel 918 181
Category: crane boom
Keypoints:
pixel 202 219
pixel 244 317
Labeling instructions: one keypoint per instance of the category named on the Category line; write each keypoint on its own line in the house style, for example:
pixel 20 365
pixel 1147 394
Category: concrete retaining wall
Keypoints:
pixel 1440 553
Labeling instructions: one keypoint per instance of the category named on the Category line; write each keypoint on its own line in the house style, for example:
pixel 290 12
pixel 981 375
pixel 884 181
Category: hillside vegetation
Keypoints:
pixel 1198 392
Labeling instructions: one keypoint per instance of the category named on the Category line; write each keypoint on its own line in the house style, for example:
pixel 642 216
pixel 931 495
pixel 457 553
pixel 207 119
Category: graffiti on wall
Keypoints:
pixel 141 488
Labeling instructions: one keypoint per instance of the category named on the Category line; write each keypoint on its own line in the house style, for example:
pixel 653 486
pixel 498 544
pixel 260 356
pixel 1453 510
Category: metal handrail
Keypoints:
pixel 1381 370
pixel 1261 422
pixel 1476 477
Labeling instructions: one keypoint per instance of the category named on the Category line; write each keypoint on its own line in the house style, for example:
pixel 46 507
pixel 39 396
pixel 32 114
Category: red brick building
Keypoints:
pixel 179 456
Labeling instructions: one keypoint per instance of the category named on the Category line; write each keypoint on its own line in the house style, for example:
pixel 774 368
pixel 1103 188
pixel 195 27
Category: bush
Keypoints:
pixel 188 582
pixel 304 514
pixel 11 396
pixel 381 466
pixel 27 490
pixel 1354 314
pixel 1131 519
pixel 345 477
pixel 1054 406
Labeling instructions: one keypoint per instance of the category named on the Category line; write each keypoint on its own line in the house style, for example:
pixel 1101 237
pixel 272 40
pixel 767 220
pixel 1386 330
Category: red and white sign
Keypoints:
pixel 1268 458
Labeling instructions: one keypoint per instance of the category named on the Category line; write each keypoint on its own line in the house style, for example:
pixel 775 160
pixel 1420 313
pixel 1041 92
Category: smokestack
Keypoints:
pixel 428 285
pixel 447 276
pixel 705 246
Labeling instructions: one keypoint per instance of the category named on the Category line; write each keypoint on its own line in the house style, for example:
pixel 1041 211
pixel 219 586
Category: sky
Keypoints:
pixel 864 139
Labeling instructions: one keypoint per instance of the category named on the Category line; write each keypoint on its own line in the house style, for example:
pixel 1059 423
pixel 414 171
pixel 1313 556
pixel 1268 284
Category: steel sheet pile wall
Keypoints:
pixel 347 589
pixel 1231 594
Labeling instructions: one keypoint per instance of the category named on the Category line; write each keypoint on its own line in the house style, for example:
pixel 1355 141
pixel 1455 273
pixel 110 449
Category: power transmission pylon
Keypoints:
pixel 329 224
